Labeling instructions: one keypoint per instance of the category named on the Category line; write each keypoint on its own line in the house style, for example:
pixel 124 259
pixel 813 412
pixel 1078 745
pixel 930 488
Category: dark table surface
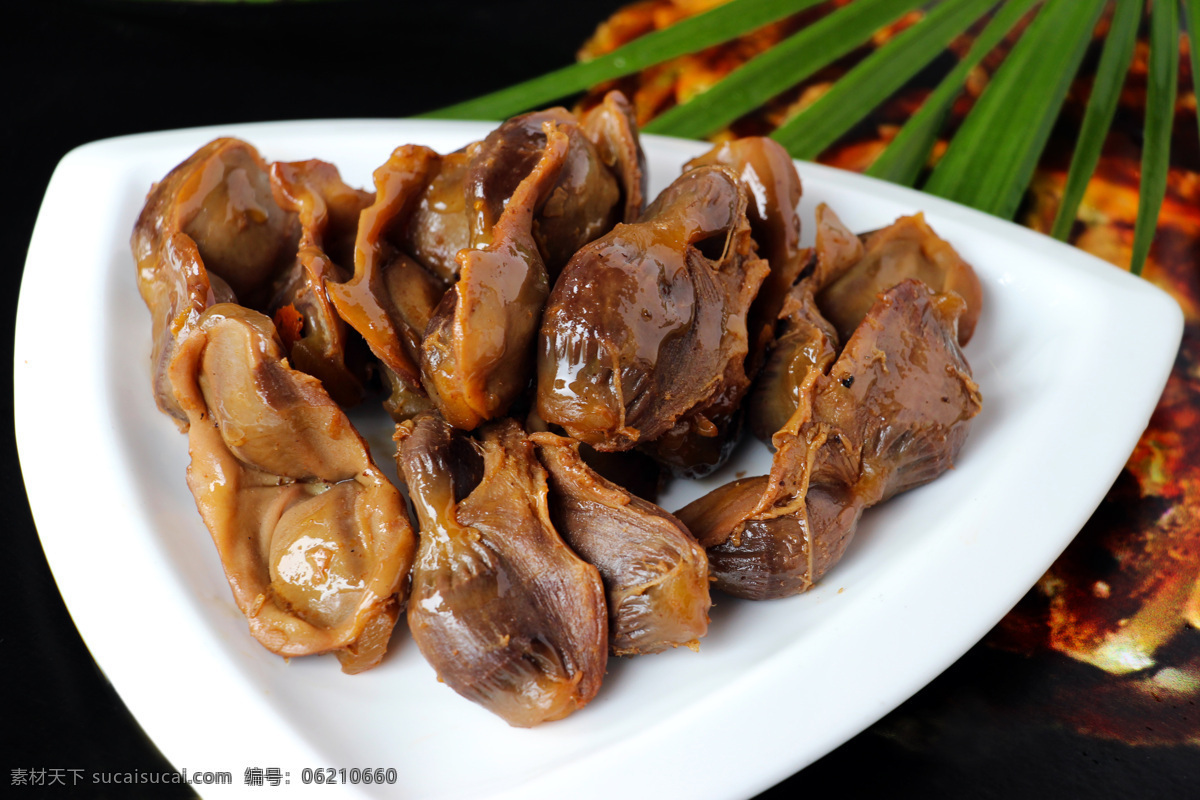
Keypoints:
pixel 81 71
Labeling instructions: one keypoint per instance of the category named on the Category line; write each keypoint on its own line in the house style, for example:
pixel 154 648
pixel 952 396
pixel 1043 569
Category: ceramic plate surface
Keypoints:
pixel 775 684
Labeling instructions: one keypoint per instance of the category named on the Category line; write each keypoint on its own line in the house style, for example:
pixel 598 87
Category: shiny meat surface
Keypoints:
pixel 645 331
pixel 654 572
pixel 805 339
pixel 773 190
pixel 775 535
pixel 765 555
pixel 314 540
pixel 601 182
pixel 477 354
pixel 317 340
pixel 210 228
pixel 440 224
pixel 908 248
pixel 508 616
pixel 900 397
pixel 390 297
pixel 582 204
pixel 242 234
pixel 612 129
pixel 836 250
pixel 888 415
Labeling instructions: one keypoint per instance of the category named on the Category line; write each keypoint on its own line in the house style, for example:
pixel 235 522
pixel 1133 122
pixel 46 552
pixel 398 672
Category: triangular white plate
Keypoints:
pixel 1071 355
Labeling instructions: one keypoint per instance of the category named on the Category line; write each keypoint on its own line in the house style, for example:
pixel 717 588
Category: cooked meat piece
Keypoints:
pixel 508 616
pixel 773 190
pixel 836 250
pixel 890 415
pixel 806 348
pixel 209 225
pixel 631 470
pixel 601 183
pixel 315 336
pixel 655 574
pixel 908 248
pixel 775 535
pixel 440 225
pixel 177 288
pixel 765 555
pixel 612 128
pixel 582 204
pixel 226 206
pixel 436 215
pixel 700 443
pixel 900 397
pixel 314 540
pixel 477 354
pixel 390 297
pixel 645 330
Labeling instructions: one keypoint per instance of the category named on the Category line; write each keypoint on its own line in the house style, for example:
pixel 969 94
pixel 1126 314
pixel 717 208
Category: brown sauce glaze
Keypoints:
pixel 314 540
pixel 645 330
pixel 508 616
pixel 655 574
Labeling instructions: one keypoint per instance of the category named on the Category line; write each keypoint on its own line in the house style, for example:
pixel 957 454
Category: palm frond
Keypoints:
pixel 1162 85
pixel 990 160
pixel 875 79
pixel 1102 105
pixel 904 158
pixel 1192 7
pixel 780 68
pixel 691 35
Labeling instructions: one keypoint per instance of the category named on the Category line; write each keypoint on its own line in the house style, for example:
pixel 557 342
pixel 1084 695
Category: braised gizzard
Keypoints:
pixel 521 278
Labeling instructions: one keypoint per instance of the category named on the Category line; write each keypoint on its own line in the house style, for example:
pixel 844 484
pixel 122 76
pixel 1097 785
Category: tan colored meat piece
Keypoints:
pixel 208 233
pixel 508 616
pixel 612 129
pixel 582 203
pixel 773 190
pixel 440 227
pixel 776 535
pixel 654 572
pixel 477 354
pixel 602 182
pixel 908 248
pixel 890 414
pixel 645 332
pixel 314 540
pixel 837 250
pixel 900 397
pixel 317 340
pixel 390 297
pixel 806 340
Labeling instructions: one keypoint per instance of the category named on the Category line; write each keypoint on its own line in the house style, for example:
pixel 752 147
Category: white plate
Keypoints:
pixel 1071 355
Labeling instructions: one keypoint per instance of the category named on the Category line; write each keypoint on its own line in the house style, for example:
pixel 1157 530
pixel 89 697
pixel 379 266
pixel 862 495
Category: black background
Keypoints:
pixel 75 72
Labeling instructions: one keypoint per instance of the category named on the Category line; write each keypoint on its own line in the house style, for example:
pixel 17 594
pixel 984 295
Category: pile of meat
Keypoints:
pixel 547 345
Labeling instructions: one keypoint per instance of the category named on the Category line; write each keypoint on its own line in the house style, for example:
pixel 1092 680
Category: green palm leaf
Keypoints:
pixel 1192 7
pixel 879 76
pixel 991 159
pixel 1106 91
pixel 778 69
pixel 1162 84
pixel 902 161
pixel 687 36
